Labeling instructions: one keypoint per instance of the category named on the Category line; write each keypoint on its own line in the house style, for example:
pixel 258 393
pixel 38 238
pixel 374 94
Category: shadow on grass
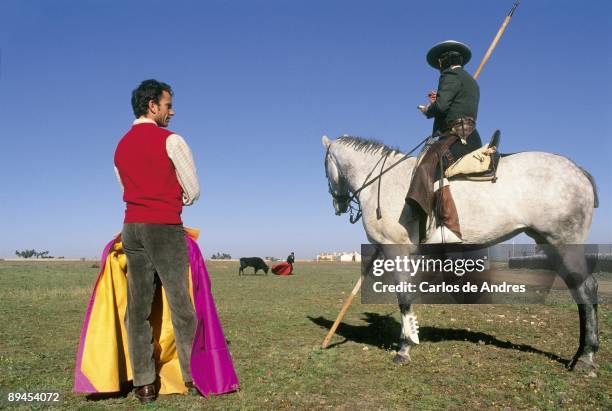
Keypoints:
pixel 383 330
pixel 125 390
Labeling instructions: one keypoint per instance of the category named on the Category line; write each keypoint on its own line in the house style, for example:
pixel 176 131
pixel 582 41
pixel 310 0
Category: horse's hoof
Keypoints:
pixel 584 366
pixel 401 359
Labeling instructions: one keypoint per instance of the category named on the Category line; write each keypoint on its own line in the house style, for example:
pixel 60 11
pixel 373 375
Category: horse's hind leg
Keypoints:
pixel 572 267
pixel 589 341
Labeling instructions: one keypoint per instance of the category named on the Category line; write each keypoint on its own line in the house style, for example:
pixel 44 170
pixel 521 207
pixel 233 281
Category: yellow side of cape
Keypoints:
pixel 106 360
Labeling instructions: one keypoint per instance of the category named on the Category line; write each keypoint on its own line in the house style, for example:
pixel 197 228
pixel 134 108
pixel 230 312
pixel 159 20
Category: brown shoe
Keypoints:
pixel 191 389
pixel 145 394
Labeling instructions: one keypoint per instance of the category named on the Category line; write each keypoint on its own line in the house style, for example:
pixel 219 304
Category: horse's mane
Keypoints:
pixel 366 145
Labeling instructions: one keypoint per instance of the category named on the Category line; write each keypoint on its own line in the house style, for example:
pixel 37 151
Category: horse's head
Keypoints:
pixel 337 184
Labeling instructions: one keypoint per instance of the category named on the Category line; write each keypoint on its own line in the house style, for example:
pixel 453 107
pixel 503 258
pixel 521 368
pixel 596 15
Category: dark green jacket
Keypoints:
pixel 458 96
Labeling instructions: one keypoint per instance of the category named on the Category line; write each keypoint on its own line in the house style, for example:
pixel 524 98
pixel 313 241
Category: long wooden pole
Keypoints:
pixel 343 311
pixel 496 39
pixel 350 298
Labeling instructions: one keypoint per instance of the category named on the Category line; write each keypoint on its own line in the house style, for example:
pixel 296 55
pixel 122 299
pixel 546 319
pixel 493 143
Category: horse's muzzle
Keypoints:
pixel 340 208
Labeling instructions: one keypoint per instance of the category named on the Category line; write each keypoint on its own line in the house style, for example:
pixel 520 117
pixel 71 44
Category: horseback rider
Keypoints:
pixel 454 107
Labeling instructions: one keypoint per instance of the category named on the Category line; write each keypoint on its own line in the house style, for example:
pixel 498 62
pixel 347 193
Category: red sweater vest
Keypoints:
pixel 151 189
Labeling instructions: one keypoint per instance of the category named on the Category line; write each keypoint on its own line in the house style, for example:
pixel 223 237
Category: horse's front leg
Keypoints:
pixel 410 333
pixel 410 327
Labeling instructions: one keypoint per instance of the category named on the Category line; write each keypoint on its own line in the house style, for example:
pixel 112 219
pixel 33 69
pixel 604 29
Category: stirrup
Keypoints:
pixel 411 330
pixel 443 235
pixel 494 143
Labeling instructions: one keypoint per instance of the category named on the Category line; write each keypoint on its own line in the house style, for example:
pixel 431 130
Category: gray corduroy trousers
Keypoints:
pixel 161 249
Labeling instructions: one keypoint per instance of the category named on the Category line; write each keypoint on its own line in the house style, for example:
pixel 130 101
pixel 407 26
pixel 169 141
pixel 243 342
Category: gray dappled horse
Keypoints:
pixel 545 196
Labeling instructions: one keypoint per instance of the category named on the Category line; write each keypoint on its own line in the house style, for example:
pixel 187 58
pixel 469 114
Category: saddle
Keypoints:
pixel 479 165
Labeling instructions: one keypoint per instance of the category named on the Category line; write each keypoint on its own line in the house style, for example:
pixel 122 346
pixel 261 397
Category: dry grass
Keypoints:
pixel 471 357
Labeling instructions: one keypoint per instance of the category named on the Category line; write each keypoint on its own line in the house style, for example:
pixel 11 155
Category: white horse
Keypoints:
pixel 543 195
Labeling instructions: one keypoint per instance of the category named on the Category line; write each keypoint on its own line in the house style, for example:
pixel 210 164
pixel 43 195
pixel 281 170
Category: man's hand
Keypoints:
pixel 432 96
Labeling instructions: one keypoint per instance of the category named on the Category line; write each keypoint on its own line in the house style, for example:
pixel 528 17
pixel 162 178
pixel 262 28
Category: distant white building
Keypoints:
pixel 339 256
pixel 328 256
pixel 348 257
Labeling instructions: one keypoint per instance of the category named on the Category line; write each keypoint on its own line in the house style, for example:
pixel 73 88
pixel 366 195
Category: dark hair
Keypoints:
pixel 450 58
pixel 148 90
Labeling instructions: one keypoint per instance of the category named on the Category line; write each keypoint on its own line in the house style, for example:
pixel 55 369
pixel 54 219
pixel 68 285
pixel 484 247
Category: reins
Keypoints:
pixel 353 198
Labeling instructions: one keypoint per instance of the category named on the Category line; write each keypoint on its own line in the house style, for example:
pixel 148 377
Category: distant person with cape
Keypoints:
pixel 285 268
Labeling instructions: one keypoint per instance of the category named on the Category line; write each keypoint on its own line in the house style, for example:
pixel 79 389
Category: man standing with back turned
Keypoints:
pixel 156 170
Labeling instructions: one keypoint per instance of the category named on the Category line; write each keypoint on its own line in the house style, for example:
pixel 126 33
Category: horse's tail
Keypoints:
pixel 592 181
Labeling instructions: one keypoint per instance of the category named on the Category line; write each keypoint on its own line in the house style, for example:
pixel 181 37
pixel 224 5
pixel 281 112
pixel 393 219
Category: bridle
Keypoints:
pixel 355 211
pixel 344 198
pixel 354 205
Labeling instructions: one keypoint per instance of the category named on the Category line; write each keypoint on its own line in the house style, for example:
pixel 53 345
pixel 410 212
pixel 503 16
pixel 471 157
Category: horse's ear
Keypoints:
pixel 325 141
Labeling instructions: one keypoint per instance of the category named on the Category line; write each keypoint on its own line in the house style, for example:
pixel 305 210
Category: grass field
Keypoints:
pixel 470 357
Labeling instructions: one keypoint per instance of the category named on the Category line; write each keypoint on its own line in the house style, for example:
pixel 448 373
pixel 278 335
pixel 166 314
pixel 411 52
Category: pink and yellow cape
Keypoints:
pixel 102 362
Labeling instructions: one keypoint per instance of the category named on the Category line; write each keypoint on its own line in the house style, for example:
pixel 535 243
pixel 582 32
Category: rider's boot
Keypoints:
pixel 449 231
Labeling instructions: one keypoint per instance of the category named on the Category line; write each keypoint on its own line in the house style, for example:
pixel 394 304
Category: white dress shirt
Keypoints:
pixel 180 155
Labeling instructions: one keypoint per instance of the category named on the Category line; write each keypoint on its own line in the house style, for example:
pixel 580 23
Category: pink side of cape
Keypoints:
pixel 212 368
pixel 211 362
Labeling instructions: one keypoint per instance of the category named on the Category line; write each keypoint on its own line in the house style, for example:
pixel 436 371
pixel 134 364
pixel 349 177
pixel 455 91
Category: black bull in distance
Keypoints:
pixel 255 262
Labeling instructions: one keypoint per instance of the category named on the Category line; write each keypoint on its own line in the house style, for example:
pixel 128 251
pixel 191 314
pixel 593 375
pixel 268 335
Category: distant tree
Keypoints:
pixel 26 253
pixel 220 256
pixel 32 253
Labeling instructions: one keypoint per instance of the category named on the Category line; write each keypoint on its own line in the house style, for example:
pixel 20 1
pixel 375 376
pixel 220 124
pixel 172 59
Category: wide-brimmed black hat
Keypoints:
pixel 450 45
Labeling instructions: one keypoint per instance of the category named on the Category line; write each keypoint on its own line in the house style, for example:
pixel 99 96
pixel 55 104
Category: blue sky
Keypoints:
pixel 257 83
